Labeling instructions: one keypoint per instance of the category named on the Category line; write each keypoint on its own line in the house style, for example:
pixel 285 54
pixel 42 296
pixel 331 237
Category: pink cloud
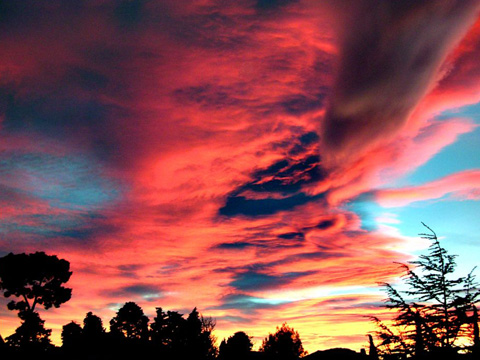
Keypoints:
pixel 180 113
pixel 462 184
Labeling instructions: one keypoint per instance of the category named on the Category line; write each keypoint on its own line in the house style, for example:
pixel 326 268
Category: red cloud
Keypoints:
pixel 464 184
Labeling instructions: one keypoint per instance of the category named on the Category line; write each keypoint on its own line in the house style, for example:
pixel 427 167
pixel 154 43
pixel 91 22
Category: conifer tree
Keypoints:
pixel 435 310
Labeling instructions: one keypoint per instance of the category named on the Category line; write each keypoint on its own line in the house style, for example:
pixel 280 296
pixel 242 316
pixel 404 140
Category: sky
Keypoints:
pixel 265 161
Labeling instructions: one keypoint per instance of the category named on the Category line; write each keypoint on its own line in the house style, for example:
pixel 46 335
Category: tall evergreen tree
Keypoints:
pixel 434 311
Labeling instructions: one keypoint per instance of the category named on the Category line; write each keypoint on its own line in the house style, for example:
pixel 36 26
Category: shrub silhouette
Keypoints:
pixel 284 344
pixel 236 347
pixel 92 327
pixel 130 322
pixel 72 336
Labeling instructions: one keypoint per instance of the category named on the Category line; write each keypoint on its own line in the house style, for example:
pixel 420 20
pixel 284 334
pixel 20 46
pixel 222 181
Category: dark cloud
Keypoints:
pixel 129 270
pixel 390 54
pixel 234 319
pixel 212 96
pixel 292 236
pixel 86 79
pixel 263 267
pixel 144 290
pixel 265 240
pixel 254 280
pixel 246 303
pixel 240 205
pixel 285 177
pixel 129 12
pixel 64 114
pixel 65 230
pixel 309 138
pixel 273 4
pixel 239 245
pixel 289 178
pixel 300 104
pixel 325 224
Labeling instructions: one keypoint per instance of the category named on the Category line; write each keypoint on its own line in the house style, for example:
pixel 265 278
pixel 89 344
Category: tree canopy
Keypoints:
pixel 72 335
pixel 37 279
pixel 284 344
pixel 236 347
pixel 130 322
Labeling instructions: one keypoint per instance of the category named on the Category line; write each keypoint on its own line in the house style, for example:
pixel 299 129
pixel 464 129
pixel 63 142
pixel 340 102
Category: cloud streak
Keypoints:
pixel 387 64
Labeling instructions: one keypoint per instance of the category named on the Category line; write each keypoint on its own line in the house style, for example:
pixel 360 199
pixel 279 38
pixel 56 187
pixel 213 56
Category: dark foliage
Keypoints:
pixel 72 336
pixel 92 327
pixel 285 344
pixel 436 312
pixel 31 334
pixel 236 347
pixel 35 279
pixel 130 322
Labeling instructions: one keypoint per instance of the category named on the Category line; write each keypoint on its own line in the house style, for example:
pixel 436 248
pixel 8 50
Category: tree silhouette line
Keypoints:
pixel 434 318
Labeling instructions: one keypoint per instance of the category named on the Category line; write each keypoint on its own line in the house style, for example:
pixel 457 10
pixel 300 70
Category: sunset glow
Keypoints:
pixel 265 161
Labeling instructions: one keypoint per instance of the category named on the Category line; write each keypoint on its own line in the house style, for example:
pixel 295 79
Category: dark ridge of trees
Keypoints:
pixel 433 317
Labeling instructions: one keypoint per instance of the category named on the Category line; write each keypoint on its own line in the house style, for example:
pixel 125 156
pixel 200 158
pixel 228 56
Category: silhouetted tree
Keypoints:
pixel 476 333
pixel 130 322
pixel 372 349
pixel 31 334
pixel 72 336
pixel 158 328
pixel 434 311
pixel 92 326
pixel 35 279
pixel 94 336
pixel 200 343
pixel 236 347
pixel 174 333
pixel 285 344
pixel 208 340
